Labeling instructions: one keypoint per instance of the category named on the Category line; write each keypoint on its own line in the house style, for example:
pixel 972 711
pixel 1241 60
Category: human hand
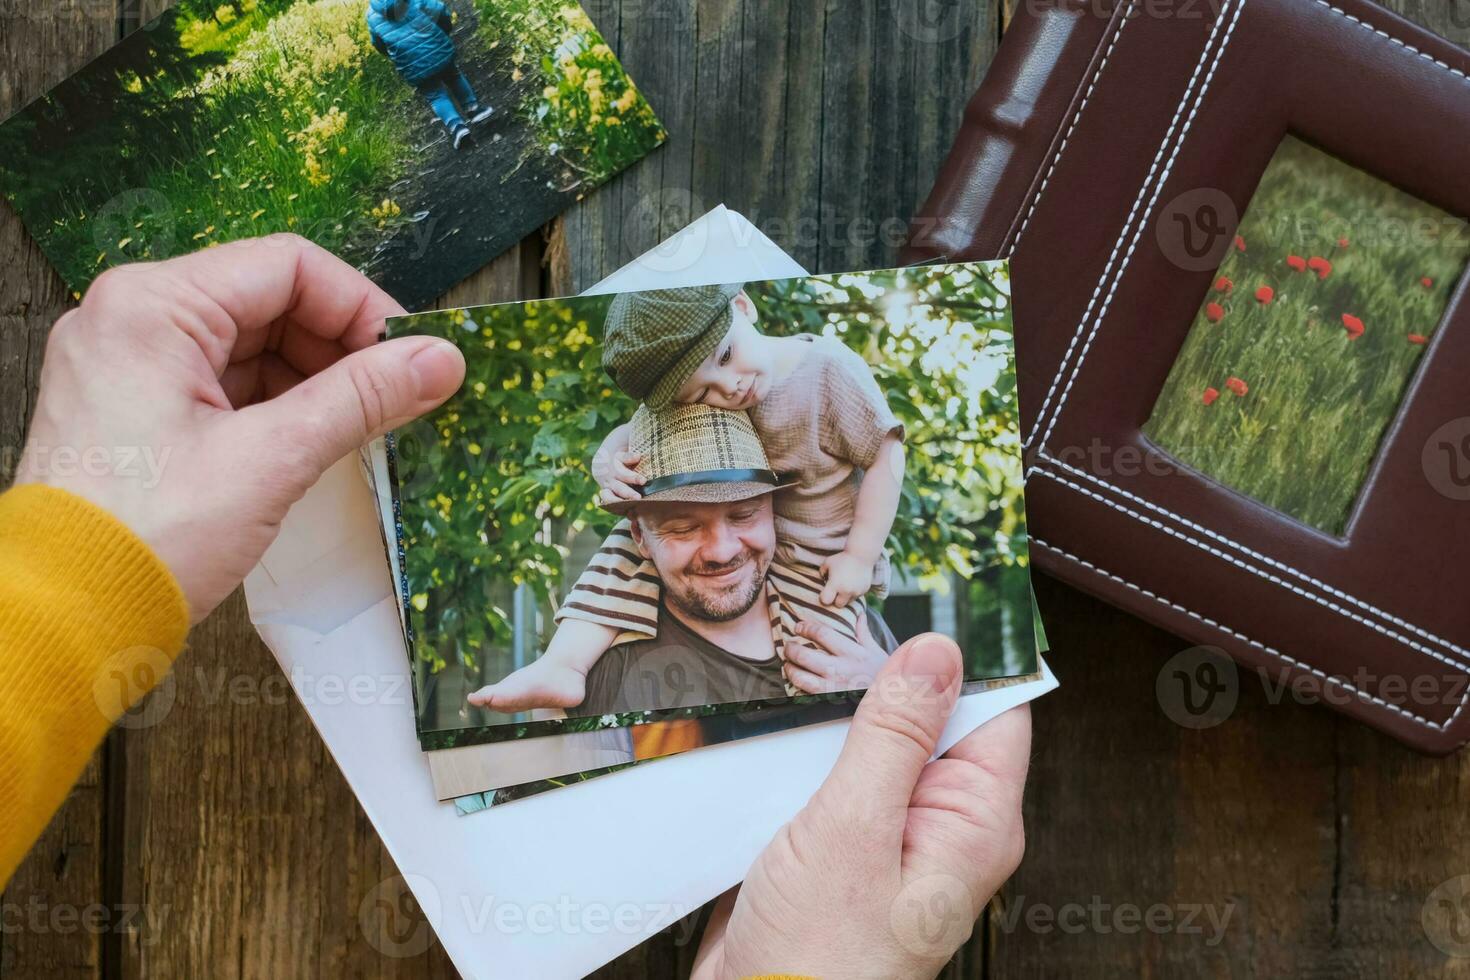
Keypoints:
pixel 239 375
pixel 835 663
pixel 885 871
pixel 847 577
pixel 612 468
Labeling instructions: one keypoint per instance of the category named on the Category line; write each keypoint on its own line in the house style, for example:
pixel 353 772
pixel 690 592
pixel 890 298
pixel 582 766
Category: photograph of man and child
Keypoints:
pixel 714 496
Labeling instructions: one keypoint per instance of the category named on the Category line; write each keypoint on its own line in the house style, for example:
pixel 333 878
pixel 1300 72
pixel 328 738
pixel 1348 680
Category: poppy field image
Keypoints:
pixel 1310 334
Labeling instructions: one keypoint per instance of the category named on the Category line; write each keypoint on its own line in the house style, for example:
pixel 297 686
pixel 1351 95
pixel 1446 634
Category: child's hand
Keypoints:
pixel 847 577
pixel 614 473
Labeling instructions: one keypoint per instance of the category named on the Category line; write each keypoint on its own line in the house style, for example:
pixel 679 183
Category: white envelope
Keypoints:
pixel 558 884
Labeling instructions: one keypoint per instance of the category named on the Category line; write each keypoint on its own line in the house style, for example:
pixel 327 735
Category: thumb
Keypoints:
pixel 334 412
pixel 893 735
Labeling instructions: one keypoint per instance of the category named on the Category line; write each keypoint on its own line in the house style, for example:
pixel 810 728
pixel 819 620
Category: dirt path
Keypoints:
pixel 466 206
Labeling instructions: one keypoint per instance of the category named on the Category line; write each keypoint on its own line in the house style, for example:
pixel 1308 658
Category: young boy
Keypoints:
pixel 414 35
pixel 820 416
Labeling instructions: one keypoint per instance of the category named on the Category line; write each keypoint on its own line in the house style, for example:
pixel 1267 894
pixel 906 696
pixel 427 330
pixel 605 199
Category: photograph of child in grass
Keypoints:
pixel 418 139
pixel 522 483
pixel 1313 328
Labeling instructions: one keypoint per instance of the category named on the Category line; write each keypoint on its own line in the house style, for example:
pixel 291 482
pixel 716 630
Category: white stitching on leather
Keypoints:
pixel 1399 41
pixel 1271 651
pixel 1138 233
pixel 1076 370
pixel 1273 579
pixel 1148 181
pixel 1282 566
pixel 1086 98
pixel 1458 73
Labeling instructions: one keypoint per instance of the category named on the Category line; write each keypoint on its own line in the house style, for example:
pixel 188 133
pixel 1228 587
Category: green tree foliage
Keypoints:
pixel 495 485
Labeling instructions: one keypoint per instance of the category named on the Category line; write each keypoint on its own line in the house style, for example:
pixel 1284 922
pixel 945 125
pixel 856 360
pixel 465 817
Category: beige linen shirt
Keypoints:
pixel 823 424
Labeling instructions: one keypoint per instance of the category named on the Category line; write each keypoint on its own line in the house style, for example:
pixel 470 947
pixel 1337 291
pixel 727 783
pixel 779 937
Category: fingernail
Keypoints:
pixel 438 369
pixel 935 658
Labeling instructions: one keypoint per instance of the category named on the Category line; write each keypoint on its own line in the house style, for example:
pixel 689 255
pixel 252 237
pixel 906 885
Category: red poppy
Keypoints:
pixel 1238 386
pixel 1418 338
pixel 1427 282
pixel 1224 285
pixel 1239 244
pixel 1265 295
pixel 1342 243
pixel 1354 326
pixel 1321 266
pixel 1297 263
pixel 1210 395
pixel 1214 312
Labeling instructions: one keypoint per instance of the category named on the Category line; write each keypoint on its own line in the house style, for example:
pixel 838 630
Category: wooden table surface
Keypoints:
pixel 223 841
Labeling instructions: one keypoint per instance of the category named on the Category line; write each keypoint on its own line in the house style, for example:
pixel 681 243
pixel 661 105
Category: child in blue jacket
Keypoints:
pixel 414 34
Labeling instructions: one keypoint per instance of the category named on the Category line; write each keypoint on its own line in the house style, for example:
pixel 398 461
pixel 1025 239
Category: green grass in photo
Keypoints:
pixel 1301 354
pixel 229 120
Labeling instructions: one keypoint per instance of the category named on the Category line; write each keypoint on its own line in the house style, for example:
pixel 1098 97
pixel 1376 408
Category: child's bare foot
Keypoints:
pixel 543 684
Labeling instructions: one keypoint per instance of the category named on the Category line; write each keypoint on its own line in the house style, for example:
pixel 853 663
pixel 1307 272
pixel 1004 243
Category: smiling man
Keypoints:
pixel 727 630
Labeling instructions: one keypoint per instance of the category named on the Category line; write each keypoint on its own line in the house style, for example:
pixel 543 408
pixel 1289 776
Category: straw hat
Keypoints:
pixel 698 454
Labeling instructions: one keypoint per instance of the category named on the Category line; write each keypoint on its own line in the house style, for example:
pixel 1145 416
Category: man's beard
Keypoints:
pixel 722 606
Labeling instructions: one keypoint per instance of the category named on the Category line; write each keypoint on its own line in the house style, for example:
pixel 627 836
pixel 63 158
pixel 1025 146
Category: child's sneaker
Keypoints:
pixel 460 135
pixel 480 115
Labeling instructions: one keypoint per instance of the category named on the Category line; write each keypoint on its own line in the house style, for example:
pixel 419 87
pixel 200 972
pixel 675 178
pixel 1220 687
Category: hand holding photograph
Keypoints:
pixel 685 502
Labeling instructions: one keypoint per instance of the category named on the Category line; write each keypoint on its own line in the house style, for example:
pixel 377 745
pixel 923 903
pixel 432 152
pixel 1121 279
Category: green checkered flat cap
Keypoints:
pixel 697 454
pixel 655 340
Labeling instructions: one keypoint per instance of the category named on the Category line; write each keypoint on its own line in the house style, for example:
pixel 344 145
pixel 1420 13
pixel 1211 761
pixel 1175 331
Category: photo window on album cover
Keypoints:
pixel 1312 330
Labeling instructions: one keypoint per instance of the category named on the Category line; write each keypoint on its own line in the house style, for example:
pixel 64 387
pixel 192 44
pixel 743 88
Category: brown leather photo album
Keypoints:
pixel 1238 243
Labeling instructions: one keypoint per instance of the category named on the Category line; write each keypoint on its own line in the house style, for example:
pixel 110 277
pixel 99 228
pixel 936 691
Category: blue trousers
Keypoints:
pixel 444 89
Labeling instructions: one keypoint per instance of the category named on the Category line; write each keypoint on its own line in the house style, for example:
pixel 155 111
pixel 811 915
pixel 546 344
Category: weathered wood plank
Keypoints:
pixel 896 78
pixel 40 44
pixel 1130 814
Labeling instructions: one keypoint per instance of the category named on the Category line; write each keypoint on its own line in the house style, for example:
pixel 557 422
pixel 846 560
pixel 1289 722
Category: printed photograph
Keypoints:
pixel 417 139
pixel 688 502
pixel 1302 352
pixel 660 739
pixel 636 744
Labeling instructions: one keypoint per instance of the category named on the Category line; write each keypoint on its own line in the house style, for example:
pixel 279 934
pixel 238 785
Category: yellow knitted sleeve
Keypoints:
pixel 90 619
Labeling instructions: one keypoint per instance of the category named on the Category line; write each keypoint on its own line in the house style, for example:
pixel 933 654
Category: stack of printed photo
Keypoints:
pixel 657 520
